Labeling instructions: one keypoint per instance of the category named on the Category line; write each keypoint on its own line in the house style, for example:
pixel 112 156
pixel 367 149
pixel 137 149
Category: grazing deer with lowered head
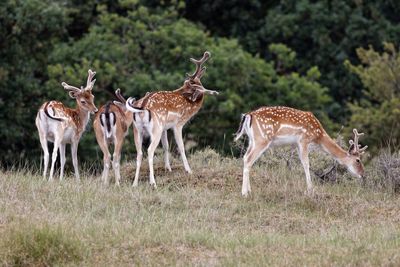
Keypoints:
pixel 111 125
pixel 61 125
pixel 157 112
pixel 273 126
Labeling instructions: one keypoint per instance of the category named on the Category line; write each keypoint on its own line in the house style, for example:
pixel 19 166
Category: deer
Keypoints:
pixel 61 125
pixel 275 126
pixel 157 112
pixel 111 125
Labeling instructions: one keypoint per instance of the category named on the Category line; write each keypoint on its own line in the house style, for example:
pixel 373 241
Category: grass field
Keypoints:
pixel 198 219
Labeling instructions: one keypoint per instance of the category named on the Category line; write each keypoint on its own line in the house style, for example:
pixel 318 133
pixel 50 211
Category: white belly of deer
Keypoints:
pixel 68 135
pixel 287 134
pixel 69 132
pixel 285 140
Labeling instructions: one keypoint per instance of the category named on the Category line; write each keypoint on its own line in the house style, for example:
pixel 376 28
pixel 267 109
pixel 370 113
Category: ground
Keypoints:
pixel 198 219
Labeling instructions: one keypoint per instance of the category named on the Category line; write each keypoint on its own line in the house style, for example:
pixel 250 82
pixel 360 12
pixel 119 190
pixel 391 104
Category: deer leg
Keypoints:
pixel 106 166
pixel 116 159
pixel 137 135
pixel 74 153
pixel 303 154
pixel 106 155
pixel 57 142
pixel 43 142
pixel 181 147
pixel 62 160
pixel 253 152
pixel 155 140
pixel 164 142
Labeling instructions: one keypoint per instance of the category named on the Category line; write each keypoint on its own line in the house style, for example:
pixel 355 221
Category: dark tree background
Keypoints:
pixel 263 53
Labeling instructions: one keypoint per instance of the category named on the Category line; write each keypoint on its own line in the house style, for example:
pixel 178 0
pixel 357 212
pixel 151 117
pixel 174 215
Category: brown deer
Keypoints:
pixel 61 125
pixel 111 125
pixel 274 126
pixel 157 112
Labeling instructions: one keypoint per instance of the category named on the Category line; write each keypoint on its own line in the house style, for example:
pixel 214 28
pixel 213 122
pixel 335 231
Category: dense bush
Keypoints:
pixel 378 113
pixel 138 50
pixel 262 54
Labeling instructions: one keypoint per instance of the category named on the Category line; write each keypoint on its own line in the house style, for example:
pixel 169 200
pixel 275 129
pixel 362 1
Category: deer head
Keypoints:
pixel 193 89
pixel 353 161
pixel 84 97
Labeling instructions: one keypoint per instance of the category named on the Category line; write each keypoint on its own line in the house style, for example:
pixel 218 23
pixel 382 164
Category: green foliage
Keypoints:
pixel 378 113
pixel 284 56
pixel 142 51
pixel 137 49
pixel 323 33
pixel 28 31
pixel 287 53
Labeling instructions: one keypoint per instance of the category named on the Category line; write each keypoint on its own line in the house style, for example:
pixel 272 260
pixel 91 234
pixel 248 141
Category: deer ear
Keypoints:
pixel 187 95
pixel 352 149
pixel 196 94
pixel 73 94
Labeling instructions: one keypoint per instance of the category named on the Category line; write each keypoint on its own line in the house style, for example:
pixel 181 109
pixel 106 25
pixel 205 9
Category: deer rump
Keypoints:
pixel 108 120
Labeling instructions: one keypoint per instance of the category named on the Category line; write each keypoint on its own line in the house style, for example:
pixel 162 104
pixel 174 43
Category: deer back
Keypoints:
pixel 273 121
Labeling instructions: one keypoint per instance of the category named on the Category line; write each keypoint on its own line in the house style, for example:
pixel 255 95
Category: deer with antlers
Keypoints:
pixel 61 125
pixel 274 126
pixel 111 125
pixel 157 112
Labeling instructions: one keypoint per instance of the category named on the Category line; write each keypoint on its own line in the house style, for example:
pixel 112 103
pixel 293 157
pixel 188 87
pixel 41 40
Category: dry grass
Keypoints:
pixel 198 219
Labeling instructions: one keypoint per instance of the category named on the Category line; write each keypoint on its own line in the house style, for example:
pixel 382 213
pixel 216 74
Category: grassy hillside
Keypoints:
pixel 198 219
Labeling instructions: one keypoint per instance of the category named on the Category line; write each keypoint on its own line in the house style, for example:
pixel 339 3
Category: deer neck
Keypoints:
pixel 81 118
pixel 333 149
pixel 196 105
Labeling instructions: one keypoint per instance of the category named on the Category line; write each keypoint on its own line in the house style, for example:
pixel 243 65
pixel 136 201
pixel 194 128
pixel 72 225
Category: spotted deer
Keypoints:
pixel 61 125
pixel 159 111
pixel 111 125
pixel 274 126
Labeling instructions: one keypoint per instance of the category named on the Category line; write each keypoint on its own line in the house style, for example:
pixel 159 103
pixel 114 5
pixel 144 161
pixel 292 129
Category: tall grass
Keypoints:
pixel 199 219
pixel 30 245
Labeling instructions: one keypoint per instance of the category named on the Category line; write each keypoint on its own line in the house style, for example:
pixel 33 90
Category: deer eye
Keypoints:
pixel 83 101
pixel 358 161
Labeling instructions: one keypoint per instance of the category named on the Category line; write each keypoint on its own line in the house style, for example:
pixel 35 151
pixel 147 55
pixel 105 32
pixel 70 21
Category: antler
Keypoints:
pixel 73 91
pixel 199 69
pixel 354 144
pixel 90 83
pixel 70 87
pixel 119 96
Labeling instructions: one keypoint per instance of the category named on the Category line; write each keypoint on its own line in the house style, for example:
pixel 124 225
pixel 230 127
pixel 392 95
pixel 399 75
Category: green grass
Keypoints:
pixel 198 219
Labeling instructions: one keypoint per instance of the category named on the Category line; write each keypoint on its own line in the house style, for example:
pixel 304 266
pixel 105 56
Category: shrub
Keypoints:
pixel 386 173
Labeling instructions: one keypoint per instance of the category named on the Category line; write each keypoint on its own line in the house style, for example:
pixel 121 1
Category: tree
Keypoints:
pixel 323 33
pixel 137 49
pixel 140 51
pixel 378 114
pixel 28 31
